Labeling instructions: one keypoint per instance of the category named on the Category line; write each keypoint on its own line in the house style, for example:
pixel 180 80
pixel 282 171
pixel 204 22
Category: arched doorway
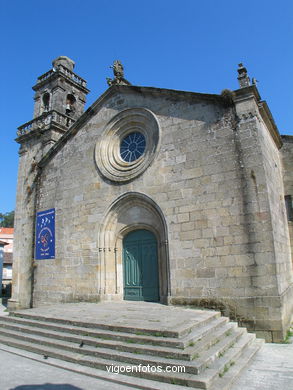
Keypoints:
pixel 130 213
pixel 140 266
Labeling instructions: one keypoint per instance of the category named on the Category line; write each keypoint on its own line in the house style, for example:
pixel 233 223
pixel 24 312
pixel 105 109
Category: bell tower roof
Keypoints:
pixel 64 61
pixel 62 68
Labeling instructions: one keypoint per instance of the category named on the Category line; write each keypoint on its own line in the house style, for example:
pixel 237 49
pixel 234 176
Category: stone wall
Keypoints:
pixel 213 186
pixel 71 183
pixel 287 159
pixel 22 281
pixel 278 263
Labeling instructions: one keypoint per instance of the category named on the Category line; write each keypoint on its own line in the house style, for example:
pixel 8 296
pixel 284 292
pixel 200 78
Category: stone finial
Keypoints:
pixel 64 61
pixel 243 79
pixel 118 71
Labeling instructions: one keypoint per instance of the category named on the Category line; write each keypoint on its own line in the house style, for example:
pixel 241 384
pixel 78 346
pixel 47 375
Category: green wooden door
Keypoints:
pixel 140 266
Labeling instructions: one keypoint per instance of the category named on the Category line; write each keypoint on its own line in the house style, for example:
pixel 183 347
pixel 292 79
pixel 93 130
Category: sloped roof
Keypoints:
pixel 4 230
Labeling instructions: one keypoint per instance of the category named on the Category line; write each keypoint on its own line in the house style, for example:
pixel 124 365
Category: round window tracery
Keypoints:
pixel 128 144
pixel 132 146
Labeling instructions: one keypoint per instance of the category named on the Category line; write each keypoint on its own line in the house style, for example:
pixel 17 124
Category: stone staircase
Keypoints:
pixel 212 351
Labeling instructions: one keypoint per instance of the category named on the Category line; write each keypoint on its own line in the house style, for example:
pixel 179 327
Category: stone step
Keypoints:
pixel 195 336
pixel 218 350
pixel 95 333
pixel 200 345
pixel 46 337
pixel 125 380
pixel 131 357
pixel 220 366
pixel 211 350
pixel 203 380
pixel 211 374
pixel 190 353
pixel 207 330
pixel 204 317
pixel 226 379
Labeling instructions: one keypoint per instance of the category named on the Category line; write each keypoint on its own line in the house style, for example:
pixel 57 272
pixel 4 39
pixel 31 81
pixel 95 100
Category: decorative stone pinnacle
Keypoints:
pixel 118 71
pixel 243 79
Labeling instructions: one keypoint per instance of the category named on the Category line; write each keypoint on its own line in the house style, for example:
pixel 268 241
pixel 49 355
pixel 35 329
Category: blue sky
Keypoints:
pixel 190 45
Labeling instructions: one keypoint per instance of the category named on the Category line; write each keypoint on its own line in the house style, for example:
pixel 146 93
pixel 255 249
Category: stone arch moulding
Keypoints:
pixel 131 211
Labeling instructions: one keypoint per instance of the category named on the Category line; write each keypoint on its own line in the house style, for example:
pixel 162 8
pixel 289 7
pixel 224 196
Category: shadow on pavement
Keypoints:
pixel 47 386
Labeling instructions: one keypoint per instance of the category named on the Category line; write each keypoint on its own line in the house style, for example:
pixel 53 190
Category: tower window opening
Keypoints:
pixel 289 207
pixel 46 101
pixel 70 102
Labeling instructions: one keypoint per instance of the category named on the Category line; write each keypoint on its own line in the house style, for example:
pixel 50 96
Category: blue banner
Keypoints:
pixel 45 235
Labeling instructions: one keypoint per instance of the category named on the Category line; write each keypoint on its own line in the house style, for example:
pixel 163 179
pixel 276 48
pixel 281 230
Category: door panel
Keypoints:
pixel 132 272
pixel 140 266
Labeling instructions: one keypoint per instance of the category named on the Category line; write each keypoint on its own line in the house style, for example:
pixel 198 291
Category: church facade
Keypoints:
pixel 156 195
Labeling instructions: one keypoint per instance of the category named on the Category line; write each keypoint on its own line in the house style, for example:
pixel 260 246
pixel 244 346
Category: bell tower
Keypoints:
pixel 60 96
pixel 60 90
